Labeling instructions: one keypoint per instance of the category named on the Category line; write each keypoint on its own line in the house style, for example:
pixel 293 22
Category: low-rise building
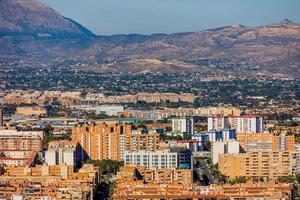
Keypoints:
pixel 31 110
pixel 137 183
pixel 49 182
pixel 154 176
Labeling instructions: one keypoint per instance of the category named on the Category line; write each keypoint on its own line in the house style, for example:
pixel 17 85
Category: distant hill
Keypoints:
pixel 33 33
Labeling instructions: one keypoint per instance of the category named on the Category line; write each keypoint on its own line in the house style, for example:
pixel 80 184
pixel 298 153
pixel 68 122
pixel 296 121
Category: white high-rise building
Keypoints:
pixel 221 147
pixel 242 124
pixel 58 154
pixel 217 148
pixel 233 146
pixel 183 125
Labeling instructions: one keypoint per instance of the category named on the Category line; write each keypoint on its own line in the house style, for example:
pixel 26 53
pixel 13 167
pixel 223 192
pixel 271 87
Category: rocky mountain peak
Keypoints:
pixel 29 17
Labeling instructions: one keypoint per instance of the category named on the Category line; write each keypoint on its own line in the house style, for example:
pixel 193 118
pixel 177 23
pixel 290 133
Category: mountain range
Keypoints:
pixel 33 34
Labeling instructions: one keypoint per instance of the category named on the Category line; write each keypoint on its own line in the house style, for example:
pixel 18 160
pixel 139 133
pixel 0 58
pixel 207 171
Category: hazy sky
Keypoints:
pixel 105 17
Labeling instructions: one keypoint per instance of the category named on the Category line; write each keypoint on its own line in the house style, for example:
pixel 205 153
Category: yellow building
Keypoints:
pixel 110 141
pixel 256 164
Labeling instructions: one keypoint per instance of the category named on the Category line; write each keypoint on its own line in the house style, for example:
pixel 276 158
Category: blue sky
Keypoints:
pixel 106 17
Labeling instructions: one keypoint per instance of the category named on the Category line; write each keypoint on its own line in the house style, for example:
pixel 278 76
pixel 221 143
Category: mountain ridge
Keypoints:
pixel 29 17
pixel 44 36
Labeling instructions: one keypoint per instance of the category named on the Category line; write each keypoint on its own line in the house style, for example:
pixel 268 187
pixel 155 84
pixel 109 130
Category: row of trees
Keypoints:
pixel 106 167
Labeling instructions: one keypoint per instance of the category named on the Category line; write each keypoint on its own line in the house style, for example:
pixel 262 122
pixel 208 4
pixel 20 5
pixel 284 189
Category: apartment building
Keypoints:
pixel 21 140
pixel 218 111
pixel 111 141
pixel 256 164
pixel 61 152
pixel 266 142
pixel 152 160
pixel 185 156
pixel 183 126
pixel 242 124
pixel 17 157
pixel 221 135
pixel 223 147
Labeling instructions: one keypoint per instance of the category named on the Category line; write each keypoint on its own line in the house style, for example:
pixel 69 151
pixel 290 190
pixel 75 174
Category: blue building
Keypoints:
pixel 222 135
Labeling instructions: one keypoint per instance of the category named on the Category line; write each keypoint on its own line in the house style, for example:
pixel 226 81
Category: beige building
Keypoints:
pixel 218 110
pixel 33 110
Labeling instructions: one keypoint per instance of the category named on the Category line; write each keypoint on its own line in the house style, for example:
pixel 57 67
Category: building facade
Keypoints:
pixel 222 135
pixel 17 157
pixel 256 164
pixel 111 141
pixel 21 140
pixel 61 152
pixel 266 142
pixel 219 148
pixel 152 160
pixel 242 124
pixel 183 126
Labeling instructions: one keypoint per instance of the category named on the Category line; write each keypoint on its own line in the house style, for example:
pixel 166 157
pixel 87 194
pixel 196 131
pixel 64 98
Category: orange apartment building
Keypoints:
pixel 266 141
pixel 265 155
pixel 256 164
pixel 110 141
